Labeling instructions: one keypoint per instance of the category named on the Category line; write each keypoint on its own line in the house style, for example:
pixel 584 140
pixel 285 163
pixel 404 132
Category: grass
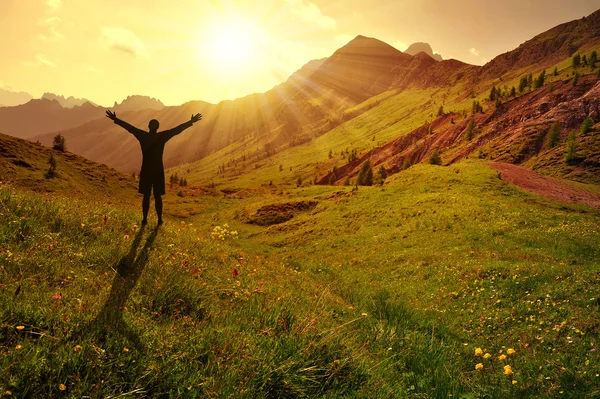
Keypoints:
pixel 372 293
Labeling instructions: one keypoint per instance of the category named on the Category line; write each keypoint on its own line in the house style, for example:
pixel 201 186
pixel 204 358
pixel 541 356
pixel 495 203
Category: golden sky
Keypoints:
pixel 182 50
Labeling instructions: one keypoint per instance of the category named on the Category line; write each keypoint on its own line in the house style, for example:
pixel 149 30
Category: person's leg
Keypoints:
pixel 145 207
pixel 159 206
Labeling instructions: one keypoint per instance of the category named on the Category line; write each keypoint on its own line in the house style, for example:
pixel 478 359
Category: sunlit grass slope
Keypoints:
pixel 383 292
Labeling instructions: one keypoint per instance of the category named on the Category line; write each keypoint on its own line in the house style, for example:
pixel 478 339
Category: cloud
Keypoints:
pixel 40 60
pixel 123 40
pixel 94 70
pixel 312 14
pixel 473 51
pixel 53 4
pixel 53 34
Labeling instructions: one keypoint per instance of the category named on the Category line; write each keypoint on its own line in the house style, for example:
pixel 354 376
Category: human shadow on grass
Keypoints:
pixel 128 271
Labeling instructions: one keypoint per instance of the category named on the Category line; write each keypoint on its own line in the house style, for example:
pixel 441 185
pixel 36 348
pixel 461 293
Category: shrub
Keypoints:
pixel 59 143
pixel 435 158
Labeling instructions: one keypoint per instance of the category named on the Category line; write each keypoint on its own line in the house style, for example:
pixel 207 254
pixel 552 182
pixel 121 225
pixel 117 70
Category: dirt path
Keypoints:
pixel 545 186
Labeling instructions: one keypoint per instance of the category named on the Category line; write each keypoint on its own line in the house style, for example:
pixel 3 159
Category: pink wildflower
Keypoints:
pixel 57 296
pixel 235 272
pixel 126 237
pixel 261 283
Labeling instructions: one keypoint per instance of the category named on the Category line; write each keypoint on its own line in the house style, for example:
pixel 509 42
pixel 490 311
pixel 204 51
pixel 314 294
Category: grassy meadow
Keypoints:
pixel 444 282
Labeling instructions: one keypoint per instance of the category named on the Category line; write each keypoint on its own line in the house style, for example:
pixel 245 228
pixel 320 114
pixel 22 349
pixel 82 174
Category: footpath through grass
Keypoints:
pixel 384 292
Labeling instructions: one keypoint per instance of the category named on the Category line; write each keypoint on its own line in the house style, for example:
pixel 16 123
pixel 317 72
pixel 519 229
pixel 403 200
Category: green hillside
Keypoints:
pixel 372 293
pixel 25 165
pixel 276 275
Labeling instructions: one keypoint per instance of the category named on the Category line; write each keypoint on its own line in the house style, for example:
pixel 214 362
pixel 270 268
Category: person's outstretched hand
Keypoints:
pixel 111 115
pixel 196 118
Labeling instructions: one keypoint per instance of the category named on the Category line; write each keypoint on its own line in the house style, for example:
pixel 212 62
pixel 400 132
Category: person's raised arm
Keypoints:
pixel 176 130
pixel 130 128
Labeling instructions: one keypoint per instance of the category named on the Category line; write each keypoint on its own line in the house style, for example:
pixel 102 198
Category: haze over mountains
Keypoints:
pixel 353 83
pixel 9 98
pixel 53 113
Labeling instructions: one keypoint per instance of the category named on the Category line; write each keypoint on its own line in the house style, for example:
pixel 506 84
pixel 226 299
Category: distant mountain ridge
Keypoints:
pixel 137 102
pixel 66 102
pixel 56 113
pixel 419 47
pixel 9 98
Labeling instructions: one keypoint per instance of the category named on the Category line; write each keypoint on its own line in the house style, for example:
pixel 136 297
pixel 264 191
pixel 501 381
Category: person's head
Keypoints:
pixel 153 125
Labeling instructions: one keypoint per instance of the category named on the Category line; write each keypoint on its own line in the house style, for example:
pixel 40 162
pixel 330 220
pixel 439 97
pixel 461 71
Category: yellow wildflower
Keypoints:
pixel 479 366
pixel 508 370
pixel 18 347
pixel 514 382
pixel 20 328
pixel 501 357
pixel 125 350
pixel 487 356
pixel 478 352
pixel 77 348
pixel 511 351
pixel 62 387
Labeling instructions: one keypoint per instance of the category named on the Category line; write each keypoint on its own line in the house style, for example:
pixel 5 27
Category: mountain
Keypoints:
pixel 68 102
pixel 361 69
pixel 44 115
pixel 136 103
pixel 516 132
pixel 54 113
pixel 9 98
pixel 419 47
pixel 548 48
pixel 364 77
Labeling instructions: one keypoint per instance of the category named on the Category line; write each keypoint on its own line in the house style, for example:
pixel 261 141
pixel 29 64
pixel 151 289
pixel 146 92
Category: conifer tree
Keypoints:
pixel 469 131
pixel 539 81
pixel 365 175
pixel 553 136
pixel 571 152
pixel 52 163
pixel 593 60
pixel 522 84
pixel 586 126
pixel 576 61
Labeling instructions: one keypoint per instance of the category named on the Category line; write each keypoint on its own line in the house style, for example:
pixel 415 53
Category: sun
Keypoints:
pixel 233 45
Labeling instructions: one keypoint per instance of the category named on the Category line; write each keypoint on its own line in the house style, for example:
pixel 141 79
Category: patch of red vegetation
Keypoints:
pixel 545 186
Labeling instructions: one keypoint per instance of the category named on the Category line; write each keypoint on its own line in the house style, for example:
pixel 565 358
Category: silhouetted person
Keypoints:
pixel 152 175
